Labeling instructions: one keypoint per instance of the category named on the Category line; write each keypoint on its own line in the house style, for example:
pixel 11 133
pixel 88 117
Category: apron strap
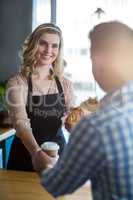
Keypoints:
pixel 30 88
pixel 59 86
pixel 60 89
pixel 29 83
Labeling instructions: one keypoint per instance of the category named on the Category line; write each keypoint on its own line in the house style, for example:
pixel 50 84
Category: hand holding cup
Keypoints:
pixel 46 157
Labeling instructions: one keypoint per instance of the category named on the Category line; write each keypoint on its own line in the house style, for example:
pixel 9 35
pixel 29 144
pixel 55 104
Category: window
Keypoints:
pixel 41 12
pixel 76 18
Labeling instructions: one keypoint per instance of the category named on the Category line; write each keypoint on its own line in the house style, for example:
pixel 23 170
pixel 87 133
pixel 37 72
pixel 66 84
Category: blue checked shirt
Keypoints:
pixel 100 149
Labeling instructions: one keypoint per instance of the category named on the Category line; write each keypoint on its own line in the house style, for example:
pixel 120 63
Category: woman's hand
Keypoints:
pixel 42 161
pixel 69 127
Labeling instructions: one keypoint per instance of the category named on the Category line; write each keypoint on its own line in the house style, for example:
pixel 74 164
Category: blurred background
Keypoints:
pixel 75 18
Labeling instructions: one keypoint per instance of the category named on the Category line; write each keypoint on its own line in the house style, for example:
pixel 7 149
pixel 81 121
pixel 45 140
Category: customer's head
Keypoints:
pixel 30 50
pixel 112 54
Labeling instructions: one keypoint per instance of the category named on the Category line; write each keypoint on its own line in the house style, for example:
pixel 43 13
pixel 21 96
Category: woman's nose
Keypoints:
pixel 48 49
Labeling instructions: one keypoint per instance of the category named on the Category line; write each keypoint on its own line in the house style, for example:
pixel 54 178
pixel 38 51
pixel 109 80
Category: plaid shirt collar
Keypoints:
pixel 119 99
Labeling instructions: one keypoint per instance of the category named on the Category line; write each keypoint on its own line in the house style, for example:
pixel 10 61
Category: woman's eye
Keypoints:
pixel 55 45
pixel 46 44
pixel 41 42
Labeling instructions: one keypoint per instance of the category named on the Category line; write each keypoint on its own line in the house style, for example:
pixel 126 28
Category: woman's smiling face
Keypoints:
pixel 48 49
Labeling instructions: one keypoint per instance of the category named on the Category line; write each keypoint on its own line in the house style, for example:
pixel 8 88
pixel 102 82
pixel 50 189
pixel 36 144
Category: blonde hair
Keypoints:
pixel 30 46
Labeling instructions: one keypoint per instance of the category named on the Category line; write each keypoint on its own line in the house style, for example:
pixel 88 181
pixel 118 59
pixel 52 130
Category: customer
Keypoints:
pixel 38 97
pixel 101 146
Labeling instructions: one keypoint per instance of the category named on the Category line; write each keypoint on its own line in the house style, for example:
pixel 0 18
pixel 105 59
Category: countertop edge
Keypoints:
pixel 6 134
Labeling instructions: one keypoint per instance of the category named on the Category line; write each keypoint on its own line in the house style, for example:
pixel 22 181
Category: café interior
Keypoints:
pixel 75 18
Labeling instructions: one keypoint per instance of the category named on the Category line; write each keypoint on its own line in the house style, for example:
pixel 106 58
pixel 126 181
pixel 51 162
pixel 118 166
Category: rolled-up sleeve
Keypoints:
pixel 69 93
pixel 78 163
pixel 16 97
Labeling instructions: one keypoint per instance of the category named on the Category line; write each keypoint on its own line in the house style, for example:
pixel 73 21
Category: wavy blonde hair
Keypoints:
pixel 30 46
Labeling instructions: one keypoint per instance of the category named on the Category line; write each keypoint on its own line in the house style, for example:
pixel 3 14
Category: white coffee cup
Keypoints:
pixel 51 148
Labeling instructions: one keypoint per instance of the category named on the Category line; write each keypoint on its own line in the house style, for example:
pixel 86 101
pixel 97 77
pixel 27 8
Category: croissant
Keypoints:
pixel 75 115
pixel 90 104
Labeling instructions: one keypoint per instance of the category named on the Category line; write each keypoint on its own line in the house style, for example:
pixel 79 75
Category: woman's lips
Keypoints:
pixel 46 56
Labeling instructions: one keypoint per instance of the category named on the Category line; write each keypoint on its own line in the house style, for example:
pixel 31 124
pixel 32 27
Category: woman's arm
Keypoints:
pixel 16 97
pixel 69 100
pixel 69 96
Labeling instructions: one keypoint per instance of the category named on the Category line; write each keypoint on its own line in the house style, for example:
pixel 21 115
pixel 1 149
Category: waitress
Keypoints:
pixel 39 97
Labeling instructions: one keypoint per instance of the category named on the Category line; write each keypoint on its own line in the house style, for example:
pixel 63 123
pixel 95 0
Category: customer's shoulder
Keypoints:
pixel 94 118
pixel 99 117
pixel 17 79
pixel 104 117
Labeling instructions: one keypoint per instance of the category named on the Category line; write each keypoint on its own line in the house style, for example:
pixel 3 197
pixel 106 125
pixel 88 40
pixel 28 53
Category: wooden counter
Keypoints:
pixel 16 185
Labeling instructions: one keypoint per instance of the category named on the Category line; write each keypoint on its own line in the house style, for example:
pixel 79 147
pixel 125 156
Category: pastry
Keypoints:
pixel 75 115
pixel 90 104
